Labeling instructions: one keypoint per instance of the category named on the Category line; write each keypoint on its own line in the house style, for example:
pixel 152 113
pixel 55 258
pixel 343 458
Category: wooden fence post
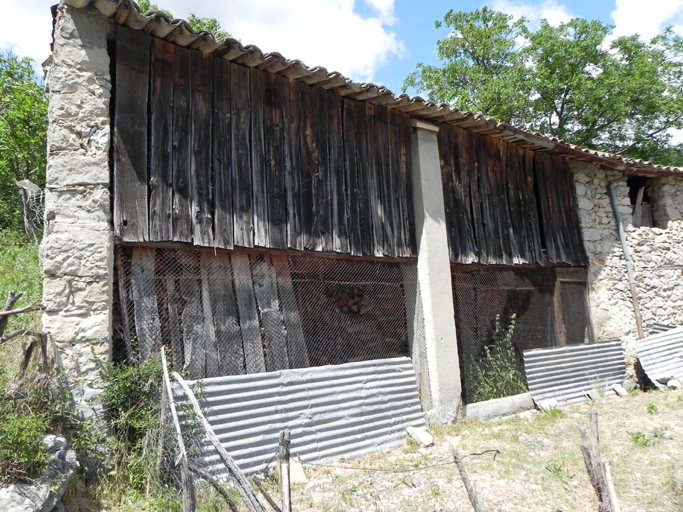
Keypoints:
pixel 283 456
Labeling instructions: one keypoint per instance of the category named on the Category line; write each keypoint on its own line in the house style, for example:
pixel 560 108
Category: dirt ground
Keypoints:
pixel 539 466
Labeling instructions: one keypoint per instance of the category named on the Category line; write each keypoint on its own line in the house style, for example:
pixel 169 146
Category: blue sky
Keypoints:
pixel 368 40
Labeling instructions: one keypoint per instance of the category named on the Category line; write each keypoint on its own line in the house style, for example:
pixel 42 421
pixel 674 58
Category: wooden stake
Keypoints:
pixel 219 489
pixel 283 459
pixel 477 504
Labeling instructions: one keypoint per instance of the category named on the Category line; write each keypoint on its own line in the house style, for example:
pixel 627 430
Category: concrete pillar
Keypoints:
pixel 77 248
pixel 434 276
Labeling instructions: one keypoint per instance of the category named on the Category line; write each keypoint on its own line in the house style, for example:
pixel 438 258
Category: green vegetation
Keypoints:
pixel 23 129
pixel 495 371
pixel 208 24
pixel 573 81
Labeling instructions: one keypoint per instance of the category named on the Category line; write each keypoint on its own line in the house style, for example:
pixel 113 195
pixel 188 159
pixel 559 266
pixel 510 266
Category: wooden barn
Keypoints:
pixel 266 215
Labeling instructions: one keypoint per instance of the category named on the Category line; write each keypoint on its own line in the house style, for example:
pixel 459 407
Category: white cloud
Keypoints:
pixel 550 10
pixel 647 18
pixel 26 28
pixel 329 33
pixel 352 39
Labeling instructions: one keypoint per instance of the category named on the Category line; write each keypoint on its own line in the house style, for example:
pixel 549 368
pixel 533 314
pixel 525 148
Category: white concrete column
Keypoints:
pixel 434 276
pixel 77 248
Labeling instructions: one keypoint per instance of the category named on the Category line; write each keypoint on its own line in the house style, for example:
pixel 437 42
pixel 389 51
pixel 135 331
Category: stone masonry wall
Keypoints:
pixel 657 256
pixel 77 248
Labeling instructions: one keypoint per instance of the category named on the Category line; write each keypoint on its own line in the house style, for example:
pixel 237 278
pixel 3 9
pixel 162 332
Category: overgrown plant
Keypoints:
pixel 495 370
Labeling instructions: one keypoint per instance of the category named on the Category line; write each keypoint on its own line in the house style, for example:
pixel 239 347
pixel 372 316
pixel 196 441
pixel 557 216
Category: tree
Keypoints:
pixel 208 24
pixel 23 130
pixel 572 81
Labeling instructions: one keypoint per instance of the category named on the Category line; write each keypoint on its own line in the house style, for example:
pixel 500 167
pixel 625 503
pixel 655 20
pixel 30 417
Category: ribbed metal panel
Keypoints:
pixel 659 328
pixel 565 374
pixel 661 355
pixel 333 412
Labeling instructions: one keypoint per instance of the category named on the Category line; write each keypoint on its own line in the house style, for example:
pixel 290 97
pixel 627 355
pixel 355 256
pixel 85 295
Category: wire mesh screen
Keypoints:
pixel 574 312
pixel 498 315
pixel 229 313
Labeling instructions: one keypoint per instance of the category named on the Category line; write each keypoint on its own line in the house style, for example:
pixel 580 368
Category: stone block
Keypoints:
pixel 84 331
pixel 78 251
pixel 77 169
pixel 80 40
pixel 75 296
pixel 78 108
pixel 83 206
pixel 592 234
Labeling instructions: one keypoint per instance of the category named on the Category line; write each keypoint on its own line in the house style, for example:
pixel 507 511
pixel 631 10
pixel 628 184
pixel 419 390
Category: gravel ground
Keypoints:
pixel 539 465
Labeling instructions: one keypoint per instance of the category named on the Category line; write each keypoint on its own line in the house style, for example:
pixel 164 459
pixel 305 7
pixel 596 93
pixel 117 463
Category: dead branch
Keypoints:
pixel 15 334
pixel 214 483
pixel 595 466
pixel 25 309
pixel 477 505
pixel 267 496
pixel 12 298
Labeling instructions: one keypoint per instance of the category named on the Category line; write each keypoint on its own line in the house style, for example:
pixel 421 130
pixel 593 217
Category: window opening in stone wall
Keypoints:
pixel 638 192
pixel 228 312
pixel 501 313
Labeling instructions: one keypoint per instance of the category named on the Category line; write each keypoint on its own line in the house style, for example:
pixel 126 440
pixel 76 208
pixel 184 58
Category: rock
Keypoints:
pixel 674 384
pixel 664 380
pixel 619 390
pixel 593 395
pixel 44 495
pixel 296 471
pixel 420 435
pixel 547 404
pixel 629 385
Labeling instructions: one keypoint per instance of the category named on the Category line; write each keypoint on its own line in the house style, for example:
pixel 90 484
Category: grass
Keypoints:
pixel 539 467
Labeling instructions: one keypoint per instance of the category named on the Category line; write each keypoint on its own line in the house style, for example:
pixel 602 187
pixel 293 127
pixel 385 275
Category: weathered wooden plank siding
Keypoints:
pixel 506 205
pixel 241 157
pixel 130 136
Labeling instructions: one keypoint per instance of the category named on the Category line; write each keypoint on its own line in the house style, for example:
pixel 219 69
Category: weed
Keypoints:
pixel 435 490
pixel 651 408
pixel 640 438
pixel 554 413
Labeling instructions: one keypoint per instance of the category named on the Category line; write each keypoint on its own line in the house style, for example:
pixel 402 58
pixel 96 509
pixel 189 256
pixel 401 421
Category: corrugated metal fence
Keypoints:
pixel 333 412
pixel 566 374
pixel 661 355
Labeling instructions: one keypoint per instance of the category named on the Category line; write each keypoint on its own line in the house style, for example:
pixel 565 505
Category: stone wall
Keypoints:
pixel 657 255
pixel 77 248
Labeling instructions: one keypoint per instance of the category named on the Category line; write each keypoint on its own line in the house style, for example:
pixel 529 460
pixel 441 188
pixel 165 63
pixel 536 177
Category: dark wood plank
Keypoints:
pixel 291 120
pixel 224 177
pixel 365 213
pixel 324 180
pixel 353 191
pixel 391 184
pixel 201 159
pixel 296 343
pixel 404 190
pixel 147 327
pixel 532 206
pixel 293 167
pixel 274 335
pixel 211 358
pixel 374 180
pixel 452 208
pixel 467 174
pixel 338 185
pixel 309 168
pixel 192 316
pixel 488 226
pixel 182 144
pixel 383 176
pixel 275 167
pixel 498 203
pixel 249 322
pixel 516 201
pixel 241 155
pixel 224 311
pixel 161 141
pixel 259 178
pixel 130 135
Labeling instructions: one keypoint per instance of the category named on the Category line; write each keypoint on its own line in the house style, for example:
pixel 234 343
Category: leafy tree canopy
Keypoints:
pixel 23 129
pixel 574 81
pixel 209 24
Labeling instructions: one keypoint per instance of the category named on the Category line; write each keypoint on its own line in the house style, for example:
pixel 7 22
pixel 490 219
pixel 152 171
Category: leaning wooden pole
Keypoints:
pixel 246 492
pixel 595 466
pixel 189 502
pixel 477 504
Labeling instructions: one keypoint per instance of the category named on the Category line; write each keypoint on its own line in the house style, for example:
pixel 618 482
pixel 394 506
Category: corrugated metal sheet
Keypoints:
pixel 565 374
pixel 658 328
pixel 179 32
pixel 333 412
pixel 661 355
